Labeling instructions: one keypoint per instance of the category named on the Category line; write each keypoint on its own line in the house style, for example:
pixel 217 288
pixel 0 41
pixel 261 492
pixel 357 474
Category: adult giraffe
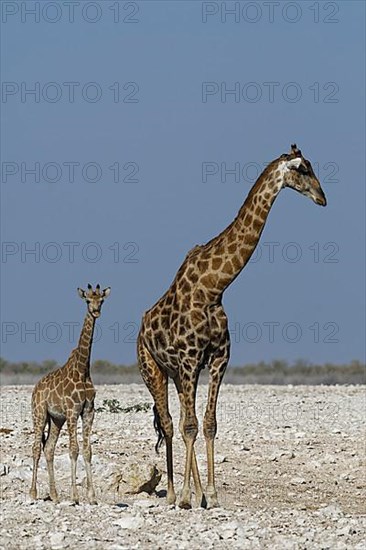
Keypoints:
pixel 187 330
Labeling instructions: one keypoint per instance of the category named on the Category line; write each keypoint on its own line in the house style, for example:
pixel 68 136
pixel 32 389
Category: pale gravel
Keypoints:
pixel 290 474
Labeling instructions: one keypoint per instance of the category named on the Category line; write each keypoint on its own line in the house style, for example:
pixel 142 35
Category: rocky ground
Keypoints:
pixel 290 469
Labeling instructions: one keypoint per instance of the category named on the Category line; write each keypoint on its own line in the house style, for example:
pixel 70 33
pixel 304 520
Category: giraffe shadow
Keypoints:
pixel 121 505
pixel 161 494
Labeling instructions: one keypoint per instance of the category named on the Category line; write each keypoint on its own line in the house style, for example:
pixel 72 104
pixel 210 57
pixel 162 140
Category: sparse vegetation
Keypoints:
pixel 114 406
pixel 276 372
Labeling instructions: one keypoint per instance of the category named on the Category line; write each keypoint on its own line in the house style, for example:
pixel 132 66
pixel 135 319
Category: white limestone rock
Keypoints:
pixel 129 521
pixel 137 478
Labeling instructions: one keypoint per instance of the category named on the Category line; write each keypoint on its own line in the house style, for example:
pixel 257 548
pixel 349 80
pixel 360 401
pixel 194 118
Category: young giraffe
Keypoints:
pixel 187 330
pixel 64 395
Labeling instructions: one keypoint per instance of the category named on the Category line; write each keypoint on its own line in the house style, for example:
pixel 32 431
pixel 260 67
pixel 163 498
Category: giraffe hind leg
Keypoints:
pixel 55 425
pixel 190 430
pixel 39 423
pixel 158 429
pixel 157 384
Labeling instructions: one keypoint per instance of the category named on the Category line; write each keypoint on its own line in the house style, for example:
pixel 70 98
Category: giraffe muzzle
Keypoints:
pixel 321 200
pixel 319 197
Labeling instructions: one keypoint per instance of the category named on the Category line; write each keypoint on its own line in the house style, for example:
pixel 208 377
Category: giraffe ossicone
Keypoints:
pixel 187 329
pixel 62 396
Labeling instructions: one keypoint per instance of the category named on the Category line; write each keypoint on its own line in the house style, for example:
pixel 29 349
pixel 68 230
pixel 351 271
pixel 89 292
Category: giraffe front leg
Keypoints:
pixel 87 420
pixel 217 369
pixel 190 430
pixel 200 497
pixel 190 434
pixel 74 453
pixel 211 493
pixel 55 426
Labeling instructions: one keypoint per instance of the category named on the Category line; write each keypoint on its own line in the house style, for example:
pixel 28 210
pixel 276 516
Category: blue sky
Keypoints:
pixel 139 151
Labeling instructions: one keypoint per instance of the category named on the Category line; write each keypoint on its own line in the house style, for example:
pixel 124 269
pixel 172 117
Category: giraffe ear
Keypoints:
pixel 82 293
pixel 106 292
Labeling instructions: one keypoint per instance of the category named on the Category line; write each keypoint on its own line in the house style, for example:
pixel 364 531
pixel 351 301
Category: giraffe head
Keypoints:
pixel 94 298
pixel 299 175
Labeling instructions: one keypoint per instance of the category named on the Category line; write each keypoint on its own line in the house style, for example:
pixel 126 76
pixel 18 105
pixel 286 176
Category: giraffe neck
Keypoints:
pixel 231 250
pixel 84 345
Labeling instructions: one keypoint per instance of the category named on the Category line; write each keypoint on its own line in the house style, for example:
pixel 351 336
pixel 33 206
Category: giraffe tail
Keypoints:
pixel 44 436
pixel 158 429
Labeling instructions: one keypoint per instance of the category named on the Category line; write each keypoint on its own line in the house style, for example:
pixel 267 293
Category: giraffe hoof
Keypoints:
pixel 53 495
pixel 185 505
pixel 92 499
pixel 212 502
pixel 170 499
pixel 33 495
